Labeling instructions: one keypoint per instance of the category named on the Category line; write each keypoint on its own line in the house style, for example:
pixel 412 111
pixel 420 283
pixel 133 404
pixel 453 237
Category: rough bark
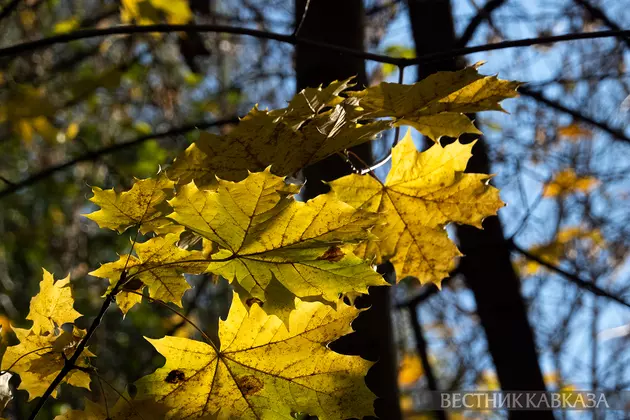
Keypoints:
pixel 486 267
pixel 341 22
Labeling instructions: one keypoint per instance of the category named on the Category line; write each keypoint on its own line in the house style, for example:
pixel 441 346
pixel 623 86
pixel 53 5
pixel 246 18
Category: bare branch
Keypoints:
pixel 598 13
pixel 108 150
pixel 483 14
pixel 538 96
pixel 290 39
pixel 8 9
pixel 573 278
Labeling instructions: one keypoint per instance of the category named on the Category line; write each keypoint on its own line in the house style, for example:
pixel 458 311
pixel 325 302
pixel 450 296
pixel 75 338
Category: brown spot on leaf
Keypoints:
pixel 175 376
pixel 253 300
pixel 249 384
pixel 332 254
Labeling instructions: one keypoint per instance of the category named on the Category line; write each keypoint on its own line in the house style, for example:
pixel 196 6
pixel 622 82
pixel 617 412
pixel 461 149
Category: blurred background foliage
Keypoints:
pixel 562 165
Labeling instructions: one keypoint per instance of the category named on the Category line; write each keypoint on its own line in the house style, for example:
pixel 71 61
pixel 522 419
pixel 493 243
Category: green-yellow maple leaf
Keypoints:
pixel 138 206
pixel 262 139
pixel 264 368
pixel 435 105
pixel 124 409
pixel 39 358
pixel 53 305
pixel 264 234
pixel 160 266
pixel 423 192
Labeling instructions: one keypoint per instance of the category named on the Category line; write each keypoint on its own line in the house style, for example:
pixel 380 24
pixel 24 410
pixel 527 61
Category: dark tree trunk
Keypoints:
pixel 486 267
pixel 341 22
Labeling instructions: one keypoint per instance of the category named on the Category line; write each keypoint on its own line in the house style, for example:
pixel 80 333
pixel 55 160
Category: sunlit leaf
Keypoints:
pixel 264 369
pixel 264 233
pixel 53 305
pixel 39 358
pixel 160 265
pixel 138 206
pixel 434 106
pixel 422 194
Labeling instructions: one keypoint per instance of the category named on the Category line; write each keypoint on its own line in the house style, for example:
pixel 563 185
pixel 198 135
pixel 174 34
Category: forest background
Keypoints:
pixel 101 111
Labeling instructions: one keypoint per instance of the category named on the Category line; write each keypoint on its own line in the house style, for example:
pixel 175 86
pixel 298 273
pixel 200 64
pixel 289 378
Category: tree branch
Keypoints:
pixel 423 352
pixel 477 20
pixel 597 13
pixel 70 363
pixel 108 150
pixel 8 9
pixel 290 39
pixel 538 96
pixel 573 278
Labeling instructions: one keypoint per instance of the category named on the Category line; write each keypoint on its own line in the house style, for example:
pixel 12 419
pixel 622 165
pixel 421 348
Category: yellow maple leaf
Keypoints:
pixel 124 409
pixel 435 105
pixel 422 194
pixel 263 138
pixel 265 234
pixel 53 305
pixel 264 368
pixel 567 182
pixel 160 266
pixel 138 206
pixel 39 358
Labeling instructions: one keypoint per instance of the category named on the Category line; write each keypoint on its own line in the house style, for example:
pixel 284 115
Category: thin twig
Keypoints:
pixel 423 352
pixel 8 9
pixel 483 14
pixel 365 165
pixel 573 278
pixel 6 181
pixel 599 14
pixel 70 364
pixel 299 26
pixel 100 385
pixel 539 97
pixel 401 75
pixel 184 317
pixel 193 305
pixel 22 356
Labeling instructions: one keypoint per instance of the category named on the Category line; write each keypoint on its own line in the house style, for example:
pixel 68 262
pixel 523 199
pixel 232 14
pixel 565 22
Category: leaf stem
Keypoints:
pixel 24 355
pixel 401 76
pixel 70 363
pixel 184 317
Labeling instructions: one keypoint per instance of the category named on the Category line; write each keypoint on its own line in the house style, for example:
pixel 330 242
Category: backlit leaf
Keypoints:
pixel 262 139
pixel 435 105
pixel 264 369
pixel 138 206
pixel 160 265
pixel 53 305
pixel 39 358
pixel 264 233
pixel 422 194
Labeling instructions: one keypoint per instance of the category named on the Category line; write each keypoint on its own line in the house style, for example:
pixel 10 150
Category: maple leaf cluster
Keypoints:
pixel 225 207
